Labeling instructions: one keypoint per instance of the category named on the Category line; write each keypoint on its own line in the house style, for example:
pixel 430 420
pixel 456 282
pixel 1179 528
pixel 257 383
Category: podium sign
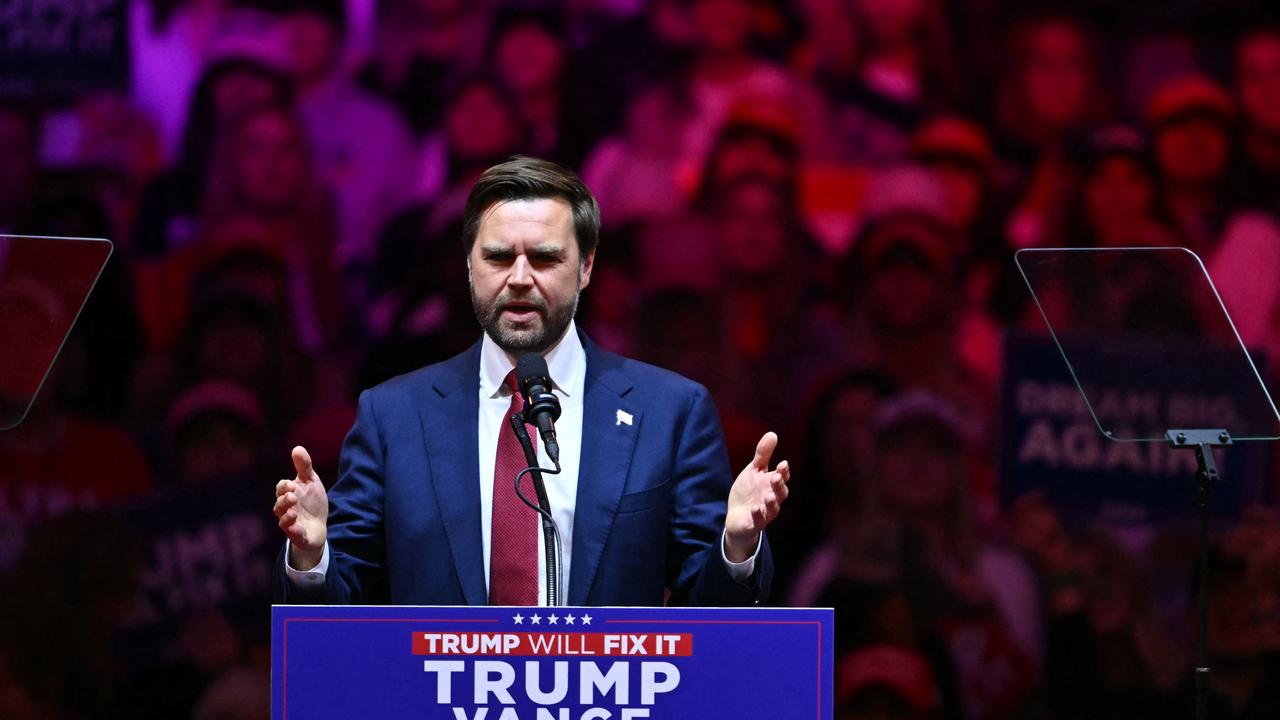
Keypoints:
pixel 495 663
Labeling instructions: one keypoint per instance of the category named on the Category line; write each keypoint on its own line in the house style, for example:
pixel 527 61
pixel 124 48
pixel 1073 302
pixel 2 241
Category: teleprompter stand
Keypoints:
pixel 1149 320
pixel 1202 442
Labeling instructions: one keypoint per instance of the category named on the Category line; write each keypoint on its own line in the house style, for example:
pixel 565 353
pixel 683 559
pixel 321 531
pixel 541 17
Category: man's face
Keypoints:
pixel 526 273
pixel 908 291
pixel 311 42
pixel 479 126
pixel 271 162
pixel 916 474
pixel 240 91
pixel 1193 151
pixel 1118 194
pixel 216 448
pixel 1258 81
pixel 1056 78
pixel 530 58
pixel 723 26
pixel 753 230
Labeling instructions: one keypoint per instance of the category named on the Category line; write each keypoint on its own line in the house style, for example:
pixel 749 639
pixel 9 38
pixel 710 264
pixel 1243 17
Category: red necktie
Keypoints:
pixel 513 544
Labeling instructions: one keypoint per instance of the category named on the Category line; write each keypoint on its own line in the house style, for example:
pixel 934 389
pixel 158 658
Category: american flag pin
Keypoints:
pixel 624 417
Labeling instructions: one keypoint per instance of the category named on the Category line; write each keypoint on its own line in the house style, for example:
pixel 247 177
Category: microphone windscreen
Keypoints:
pixel 531 369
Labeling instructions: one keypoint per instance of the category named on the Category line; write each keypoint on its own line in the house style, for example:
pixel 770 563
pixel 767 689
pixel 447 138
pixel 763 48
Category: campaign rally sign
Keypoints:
pixel 537 663
pixel 1049 441
pixel 207 551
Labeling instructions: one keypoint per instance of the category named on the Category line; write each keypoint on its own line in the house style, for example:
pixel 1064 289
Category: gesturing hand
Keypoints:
pixel 302 509
pixel 754 501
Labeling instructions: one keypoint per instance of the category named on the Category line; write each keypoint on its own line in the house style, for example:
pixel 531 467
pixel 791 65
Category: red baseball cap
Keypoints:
pixel 900 670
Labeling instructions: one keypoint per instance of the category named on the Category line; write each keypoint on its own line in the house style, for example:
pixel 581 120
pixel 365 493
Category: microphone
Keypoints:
pixel 541 406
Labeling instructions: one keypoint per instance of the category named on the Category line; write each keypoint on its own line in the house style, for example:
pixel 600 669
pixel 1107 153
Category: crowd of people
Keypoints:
pixel 810 207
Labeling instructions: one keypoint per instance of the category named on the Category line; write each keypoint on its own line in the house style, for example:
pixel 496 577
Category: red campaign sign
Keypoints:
pixel 529 644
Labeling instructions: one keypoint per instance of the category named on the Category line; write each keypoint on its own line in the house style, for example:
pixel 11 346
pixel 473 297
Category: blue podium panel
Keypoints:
pixel 494 663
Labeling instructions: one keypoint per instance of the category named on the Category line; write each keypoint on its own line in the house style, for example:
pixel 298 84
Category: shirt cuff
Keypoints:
pixel 307 578
pixel 740 572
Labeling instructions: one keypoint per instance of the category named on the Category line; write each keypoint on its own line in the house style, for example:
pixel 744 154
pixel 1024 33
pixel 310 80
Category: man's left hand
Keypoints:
pixel 754 500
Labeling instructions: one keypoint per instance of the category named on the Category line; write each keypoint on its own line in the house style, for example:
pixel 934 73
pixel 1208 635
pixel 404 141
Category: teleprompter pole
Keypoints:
pixel 1202 442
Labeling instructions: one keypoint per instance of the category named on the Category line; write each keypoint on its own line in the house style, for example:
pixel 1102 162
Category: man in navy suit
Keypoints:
pixel 647 506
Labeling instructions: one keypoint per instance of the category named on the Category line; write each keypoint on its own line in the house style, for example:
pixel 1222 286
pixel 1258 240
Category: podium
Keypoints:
pixel 550 663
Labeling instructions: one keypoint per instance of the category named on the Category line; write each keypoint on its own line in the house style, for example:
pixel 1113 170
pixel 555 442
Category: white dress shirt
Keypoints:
pixel 567 365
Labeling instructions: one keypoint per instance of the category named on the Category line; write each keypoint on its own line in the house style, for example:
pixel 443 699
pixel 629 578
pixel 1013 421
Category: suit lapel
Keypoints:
pixel 451 437
pixel 607 448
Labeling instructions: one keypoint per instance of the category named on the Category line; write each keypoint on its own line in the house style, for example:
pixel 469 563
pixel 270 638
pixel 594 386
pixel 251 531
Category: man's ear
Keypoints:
pixel 588 262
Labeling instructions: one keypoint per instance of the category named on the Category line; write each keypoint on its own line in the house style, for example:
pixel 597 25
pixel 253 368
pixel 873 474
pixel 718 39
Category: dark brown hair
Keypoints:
pixel 529 178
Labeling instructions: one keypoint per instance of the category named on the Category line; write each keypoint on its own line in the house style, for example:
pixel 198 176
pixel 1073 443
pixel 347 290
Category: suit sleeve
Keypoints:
pixel 696 570
pixel 357 564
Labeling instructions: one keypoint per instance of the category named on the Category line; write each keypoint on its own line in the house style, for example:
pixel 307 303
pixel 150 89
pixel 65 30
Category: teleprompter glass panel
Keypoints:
pixel 44 282
pixel 1148 342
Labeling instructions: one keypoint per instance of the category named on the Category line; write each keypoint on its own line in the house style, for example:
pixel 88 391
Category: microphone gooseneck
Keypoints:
pixel 553 546
pixel 541 409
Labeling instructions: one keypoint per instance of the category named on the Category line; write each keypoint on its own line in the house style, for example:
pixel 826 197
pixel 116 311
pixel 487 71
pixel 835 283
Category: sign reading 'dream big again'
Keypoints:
pixel 1050 442
pixel 492 663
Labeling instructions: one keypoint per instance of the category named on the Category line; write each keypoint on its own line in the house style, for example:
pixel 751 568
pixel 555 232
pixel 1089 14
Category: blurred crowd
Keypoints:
pixel 810 207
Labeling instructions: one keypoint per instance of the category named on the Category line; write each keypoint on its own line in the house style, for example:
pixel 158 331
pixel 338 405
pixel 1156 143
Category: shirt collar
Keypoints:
pixel 566 363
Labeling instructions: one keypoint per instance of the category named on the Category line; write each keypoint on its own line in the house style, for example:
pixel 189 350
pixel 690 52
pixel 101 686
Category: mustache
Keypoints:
pixel 505 301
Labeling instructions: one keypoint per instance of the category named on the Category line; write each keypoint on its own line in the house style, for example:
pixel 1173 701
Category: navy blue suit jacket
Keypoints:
pixel 404 517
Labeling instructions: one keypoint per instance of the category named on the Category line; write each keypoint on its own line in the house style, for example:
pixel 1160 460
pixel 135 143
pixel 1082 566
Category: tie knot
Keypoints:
pixel 512 384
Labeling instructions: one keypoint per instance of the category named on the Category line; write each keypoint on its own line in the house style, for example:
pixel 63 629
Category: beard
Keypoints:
pixel 544 331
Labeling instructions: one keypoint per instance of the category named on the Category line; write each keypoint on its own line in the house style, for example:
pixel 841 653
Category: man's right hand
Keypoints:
pixel 302 509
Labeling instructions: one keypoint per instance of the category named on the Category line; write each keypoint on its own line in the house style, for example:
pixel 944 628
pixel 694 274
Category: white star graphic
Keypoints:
pixel 518 619
pixel 568 619
pixel 586 619
pixel 553 619
pixel 536 620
